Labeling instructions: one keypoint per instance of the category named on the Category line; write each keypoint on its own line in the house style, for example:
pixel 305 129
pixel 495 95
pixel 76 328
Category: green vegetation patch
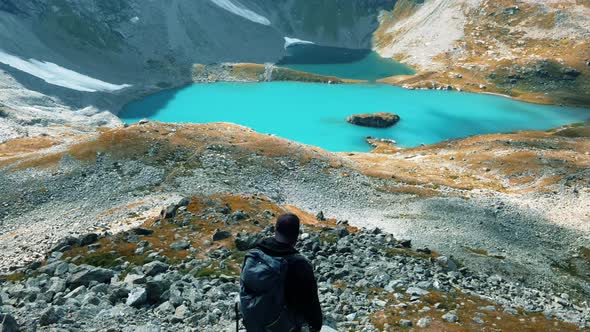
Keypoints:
pixel 14 277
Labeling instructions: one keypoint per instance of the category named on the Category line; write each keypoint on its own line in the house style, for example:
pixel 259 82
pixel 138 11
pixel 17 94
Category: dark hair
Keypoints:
pixel 288 226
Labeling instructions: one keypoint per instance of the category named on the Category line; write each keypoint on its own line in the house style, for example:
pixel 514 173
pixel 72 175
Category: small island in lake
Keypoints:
pixel 375 120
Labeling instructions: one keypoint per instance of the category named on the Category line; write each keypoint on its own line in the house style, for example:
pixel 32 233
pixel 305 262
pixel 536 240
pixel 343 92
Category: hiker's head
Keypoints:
pixel 287 228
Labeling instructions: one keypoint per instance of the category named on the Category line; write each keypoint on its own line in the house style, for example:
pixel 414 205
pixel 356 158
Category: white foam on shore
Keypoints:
pixel 295 41
pixel 241 11
pixel 57 75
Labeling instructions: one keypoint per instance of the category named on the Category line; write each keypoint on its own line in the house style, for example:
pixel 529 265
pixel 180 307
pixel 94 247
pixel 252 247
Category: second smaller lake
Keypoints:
pixel 342 63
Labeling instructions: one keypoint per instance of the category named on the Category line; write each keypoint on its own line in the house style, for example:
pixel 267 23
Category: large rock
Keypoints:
pixel 450 317
pixel 134 279
pixel 180 245
pixel 118 294
pixel 65 244
pixel 50 316
pixel 137 297
pixel 155 268
pixel 8 323
pixel 165 309
pixel 155 289
pixel 375 120
pixel 88 239
pixel 221 235
pixel 57 285
pixel 86 276
pixel 171 210
pixel 56 267
pixel 142 231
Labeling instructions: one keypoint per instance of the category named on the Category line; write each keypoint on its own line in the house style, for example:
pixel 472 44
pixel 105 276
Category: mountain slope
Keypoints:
pixel 133 47
pixel 533 50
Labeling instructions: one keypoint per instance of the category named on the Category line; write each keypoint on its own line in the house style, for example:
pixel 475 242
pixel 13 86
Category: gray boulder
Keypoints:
pixel 172 210
pixel 221 235
pixel 424 322
pixel 86 276
pixel 134 279
pixel 118 294
pixel 88 239
pixel 181 312
pixel 239 215
pixel 155 268
pixel 341 232
pixel 56 267
pixel 406 243
pixel 57 285
pixel 65 244
pixel 169 212
pixel 185 201
pixel 165 309
pixel 78 292
pixel 142 231
pixel 8 323
pixel 50 316
pixel 155 290
pixel 137 297
pixel 450 317
pixel 180 245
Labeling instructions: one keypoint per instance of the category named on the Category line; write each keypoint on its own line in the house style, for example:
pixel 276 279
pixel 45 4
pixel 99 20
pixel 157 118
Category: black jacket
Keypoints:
pixel 301 289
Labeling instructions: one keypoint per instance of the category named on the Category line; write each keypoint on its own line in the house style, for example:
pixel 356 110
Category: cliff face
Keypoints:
pixel 534 50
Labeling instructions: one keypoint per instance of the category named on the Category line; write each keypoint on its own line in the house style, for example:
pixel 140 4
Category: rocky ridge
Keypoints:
pixel 179 272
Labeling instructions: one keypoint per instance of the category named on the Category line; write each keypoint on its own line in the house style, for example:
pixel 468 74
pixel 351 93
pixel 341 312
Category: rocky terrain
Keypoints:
pixel 514 205
pixel 179 271
pixel 105 226
pixel 535 51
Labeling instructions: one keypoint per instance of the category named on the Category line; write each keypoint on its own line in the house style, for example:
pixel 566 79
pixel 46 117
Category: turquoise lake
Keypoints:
pixel 315 113
pixel 371 68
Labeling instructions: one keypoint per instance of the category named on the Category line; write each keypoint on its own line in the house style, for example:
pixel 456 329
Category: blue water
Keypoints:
pixel 315 113
pixel 371 67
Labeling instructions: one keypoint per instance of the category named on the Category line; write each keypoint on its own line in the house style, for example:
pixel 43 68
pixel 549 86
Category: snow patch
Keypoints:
pixel 294 41
pixel 240 10
pixel 57 75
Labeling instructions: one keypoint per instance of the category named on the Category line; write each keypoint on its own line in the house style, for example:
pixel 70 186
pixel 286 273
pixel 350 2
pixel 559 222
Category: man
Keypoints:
pixel 278 289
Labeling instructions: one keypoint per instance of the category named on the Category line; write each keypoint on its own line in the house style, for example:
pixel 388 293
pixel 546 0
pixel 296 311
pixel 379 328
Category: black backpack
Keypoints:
pixel 262 293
